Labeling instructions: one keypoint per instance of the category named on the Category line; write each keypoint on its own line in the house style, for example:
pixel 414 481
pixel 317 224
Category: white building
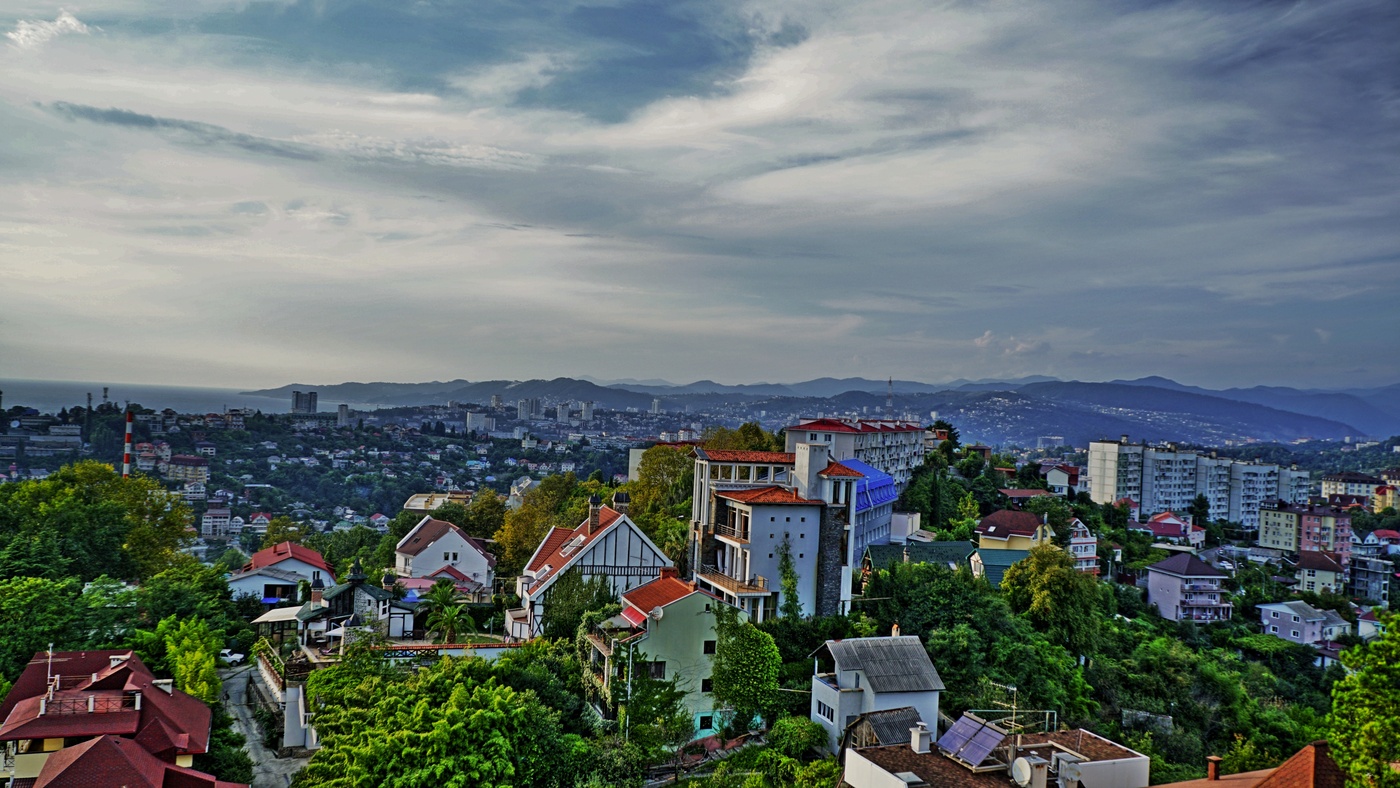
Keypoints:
pixel 433 545
pixel 1083 547
pixel 895 447
pixel 859 675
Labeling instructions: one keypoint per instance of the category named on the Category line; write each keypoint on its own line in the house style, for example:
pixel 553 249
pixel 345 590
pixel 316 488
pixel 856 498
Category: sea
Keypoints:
pixel 51 396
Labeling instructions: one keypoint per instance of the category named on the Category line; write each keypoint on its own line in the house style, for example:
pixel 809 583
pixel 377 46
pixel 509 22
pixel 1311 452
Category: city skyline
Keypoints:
pixel 251 194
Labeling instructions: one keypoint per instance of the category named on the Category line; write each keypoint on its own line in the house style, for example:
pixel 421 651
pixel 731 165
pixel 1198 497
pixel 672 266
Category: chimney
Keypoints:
pixel 1213 767
pixel 621 500
pixel 670 571
pixel 894 630
pixel 919 739
pixel 594 504
pixel 317 587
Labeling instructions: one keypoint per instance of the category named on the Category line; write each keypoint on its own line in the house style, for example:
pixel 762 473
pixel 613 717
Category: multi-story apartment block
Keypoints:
pixel 1185 588
pixel 1166 478
pixel 215 523
pixel 304 402
pixel 1351 483
pixel 187 468
pixel 1370 579
pixel 751 507
pixel 1321 572
pixel 1297 528
pixel 895 447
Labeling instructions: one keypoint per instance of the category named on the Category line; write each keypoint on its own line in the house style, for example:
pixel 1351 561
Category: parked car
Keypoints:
pixel 230 657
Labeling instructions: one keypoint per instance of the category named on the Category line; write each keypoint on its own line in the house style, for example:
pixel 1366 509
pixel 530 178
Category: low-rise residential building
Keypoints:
pixel 1321 572
pixel 1063 480
pixel 214 524
pixel 607 544
pixel 1298 528
pixel 291 563
pixel 991 565
pixel 1171 529
pixel 1301 623
pixel 1310 767
pixel 666 629
pixel 1185 588
pixel 1009 529
pixel 879 557
pixel 435 544
pixel 1382 541
pixel 1369 626
pixel 101 718
pixel 356 604
pixel 1083 547
pixel 859 675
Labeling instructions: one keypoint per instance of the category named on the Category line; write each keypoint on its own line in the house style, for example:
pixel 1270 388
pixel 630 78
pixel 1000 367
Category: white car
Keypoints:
pixel 230 657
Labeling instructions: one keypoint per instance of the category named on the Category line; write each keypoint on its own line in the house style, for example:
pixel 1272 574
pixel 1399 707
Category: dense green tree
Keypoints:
pixel 283 529
pixel 665 475
pixel 745 668
pixel 108 612
pixel 1057 599
pixel 1365 721
pixel 34 613
pixel 797 737
pixel 791 605
pixel 486 514
pixel 1199 510
pixel 191 656
pixel 569 598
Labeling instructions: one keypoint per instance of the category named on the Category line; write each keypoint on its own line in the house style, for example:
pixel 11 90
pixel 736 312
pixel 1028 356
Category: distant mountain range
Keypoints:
pixel 1017 410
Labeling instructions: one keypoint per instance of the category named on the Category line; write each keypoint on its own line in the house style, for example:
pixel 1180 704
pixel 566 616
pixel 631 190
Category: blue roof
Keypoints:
pixel 875 489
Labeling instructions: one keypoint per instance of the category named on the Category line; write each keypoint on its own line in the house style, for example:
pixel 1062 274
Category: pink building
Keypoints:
pixel 1185 588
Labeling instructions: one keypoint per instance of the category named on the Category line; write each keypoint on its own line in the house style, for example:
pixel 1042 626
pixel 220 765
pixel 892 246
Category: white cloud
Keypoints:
pixel 34 34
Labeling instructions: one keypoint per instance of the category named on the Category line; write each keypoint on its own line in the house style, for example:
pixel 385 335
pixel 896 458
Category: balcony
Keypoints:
pixel 755 586
pixel 737 533
pixel 1200 587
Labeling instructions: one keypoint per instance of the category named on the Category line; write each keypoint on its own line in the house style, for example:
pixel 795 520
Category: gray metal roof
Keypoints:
pixel 891 726
pixel 883 556
pixel 890 664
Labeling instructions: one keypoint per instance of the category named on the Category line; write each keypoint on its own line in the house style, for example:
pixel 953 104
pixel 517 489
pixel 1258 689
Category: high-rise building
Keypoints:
pixel 303 402
pixel 587 414
pixel 342 416
pixel 1166 478
pixel 656 406
pixel 522 410
pixel 496 402
pixel 561 413
pixel 894 447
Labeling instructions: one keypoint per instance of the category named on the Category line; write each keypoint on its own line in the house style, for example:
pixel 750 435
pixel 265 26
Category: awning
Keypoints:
pixel 277 614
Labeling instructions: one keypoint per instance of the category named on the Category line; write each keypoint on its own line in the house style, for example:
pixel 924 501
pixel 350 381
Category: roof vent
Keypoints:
pixel 165 685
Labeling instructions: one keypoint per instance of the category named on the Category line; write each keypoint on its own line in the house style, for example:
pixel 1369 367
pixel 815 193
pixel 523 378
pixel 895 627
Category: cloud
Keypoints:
pixel 34 34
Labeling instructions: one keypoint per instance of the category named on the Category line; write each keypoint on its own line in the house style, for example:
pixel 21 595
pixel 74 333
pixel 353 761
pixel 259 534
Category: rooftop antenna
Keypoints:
pixel 889 400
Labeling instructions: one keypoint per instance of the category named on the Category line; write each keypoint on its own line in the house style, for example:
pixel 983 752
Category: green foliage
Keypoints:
pixel 1058 600
pixel 35 612
pixel 665 475
pixel 1365 721
pixel 791 605
pixel 797 737
pixel 569 598
pixel 226 758
pixel 191 655
pixel 108 607
pixel 745 667
pixel 750 436
pixel 283 529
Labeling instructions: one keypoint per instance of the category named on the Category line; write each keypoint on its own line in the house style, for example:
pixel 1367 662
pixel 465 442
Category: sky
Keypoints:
pixel 241 193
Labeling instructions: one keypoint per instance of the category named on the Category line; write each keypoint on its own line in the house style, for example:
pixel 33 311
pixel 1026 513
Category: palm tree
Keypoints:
pixel 449 622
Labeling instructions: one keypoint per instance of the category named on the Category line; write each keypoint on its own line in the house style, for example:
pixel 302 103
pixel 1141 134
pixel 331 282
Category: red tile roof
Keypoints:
pixel 1310 767
pixel 113 761
pixel 428 531
pixel 766 495
pixel 551 549
pixel 276 554
pixel 660 592
pixel 861 425
pixel 1385 533
pixel 837 469
pixel 730 455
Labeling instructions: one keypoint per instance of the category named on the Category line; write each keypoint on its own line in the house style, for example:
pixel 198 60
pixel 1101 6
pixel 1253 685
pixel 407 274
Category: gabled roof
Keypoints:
pixel 1310 767
pixel 836 469
pixel 890 664
pixel 889 726
pixel 267 571
pixel 1007 523
pixel 428 531
pixel 662 591
pixel 730 455
pixel 1319 561
pixel 883 556
pixel 271 556
pixel 114 761
pixel 551 549
pixel 1186 565
pixel 1297 608
pixel 767 495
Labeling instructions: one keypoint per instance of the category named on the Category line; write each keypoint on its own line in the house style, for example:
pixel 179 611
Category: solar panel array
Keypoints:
pixel 971 740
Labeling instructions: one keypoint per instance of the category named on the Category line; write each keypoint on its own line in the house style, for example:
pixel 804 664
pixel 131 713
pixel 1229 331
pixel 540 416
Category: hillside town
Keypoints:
pixel 861 601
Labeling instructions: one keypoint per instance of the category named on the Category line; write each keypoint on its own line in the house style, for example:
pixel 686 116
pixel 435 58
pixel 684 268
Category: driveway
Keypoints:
pixel 269 771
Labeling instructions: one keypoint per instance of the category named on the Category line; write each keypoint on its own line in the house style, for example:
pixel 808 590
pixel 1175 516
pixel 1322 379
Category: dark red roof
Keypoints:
pixel 730 455
pixel 1186 565
pixel 114 761
pixel 276 554
pixel 860 425
pixel 1008 522
pixel 1319 561
pixel 429 531
pixel 766 495
pixel 1310 767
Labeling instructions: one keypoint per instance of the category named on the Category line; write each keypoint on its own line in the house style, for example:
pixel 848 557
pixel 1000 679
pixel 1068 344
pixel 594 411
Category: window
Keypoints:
pixel 1273 629
pixel 826 712
pixel 1295 619
pixel 1295 633
pixel 446 556
pixel 709 647
pixel 657 669
pixel 706 722
pixel 707 685
pixel 1273 614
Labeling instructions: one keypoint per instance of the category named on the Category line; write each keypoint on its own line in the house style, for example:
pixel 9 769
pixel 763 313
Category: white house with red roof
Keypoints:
pixel 666 629
pixel 895 447
pixel 1083 547
pixel 1061 479
pixel 258 522
pixel 1167 527
pixel 437 545
pixel 59 722
pixel 273 573
pixel 607 544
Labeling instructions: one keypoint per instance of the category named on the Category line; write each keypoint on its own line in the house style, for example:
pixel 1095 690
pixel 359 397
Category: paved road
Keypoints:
pixel 269 771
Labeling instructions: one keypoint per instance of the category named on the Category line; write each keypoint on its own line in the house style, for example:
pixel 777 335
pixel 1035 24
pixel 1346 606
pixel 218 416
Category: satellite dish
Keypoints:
pixel 1021 772
pixel 1069 770
pixel 15 424
pixel 656 613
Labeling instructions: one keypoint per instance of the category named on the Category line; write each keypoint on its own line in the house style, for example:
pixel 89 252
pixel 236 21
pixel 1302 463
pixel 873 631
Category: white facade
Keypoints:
pixel 451 548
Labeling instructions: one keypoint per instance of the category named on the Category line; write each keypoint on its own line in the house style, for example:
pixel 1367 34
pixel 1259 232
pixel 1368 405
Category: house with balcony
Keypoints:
pixel 100 718
pixel 667 629
pixel 607 544
pixel 435 545
pixel 1321 572
pixel 1166 527
pixel 1185 588
pixel 214 523
pixel 1083 547
pixel 749 508
pixel 895 447
pixel 857 676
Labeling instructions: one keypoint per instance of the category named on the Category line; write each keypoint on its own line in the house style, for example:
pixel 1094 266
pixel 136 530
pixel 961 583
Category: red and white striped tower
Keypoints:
pixel 126 448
